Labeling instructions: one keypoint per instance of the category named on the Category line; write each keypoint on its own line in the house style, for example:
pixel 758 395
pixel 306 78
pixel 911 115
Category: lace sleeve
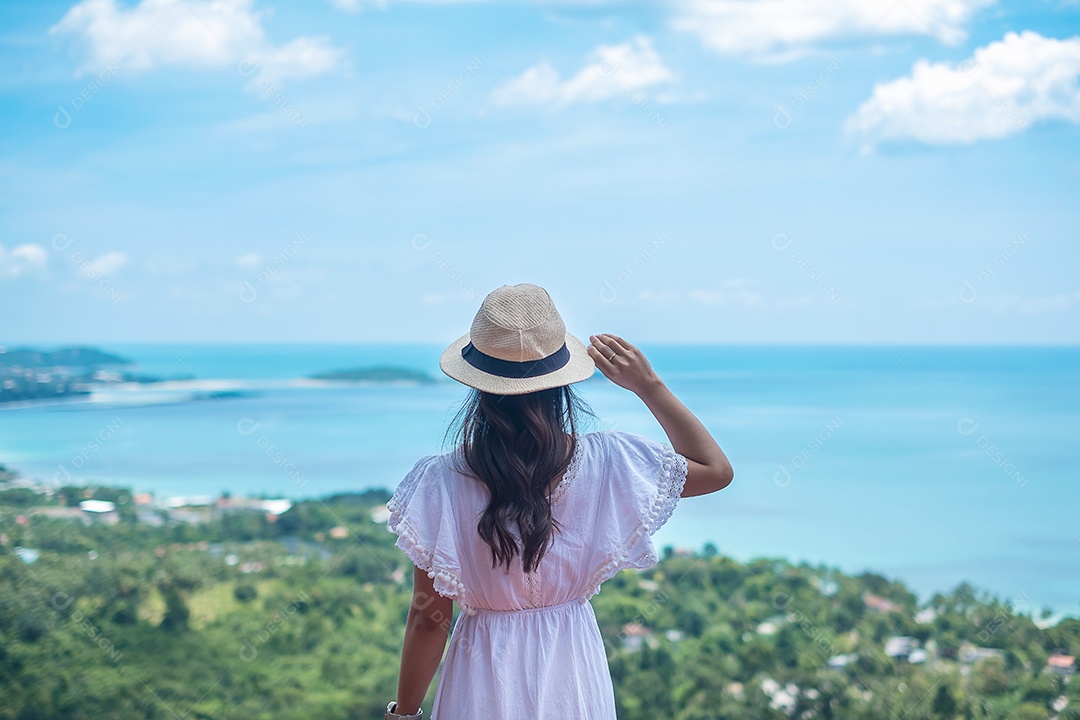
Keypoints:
pixel 421 516
pixel 645 480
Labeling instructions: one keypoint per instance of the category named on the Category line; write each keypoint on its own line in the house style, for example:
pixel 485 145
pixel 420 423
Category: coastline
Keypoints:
pixel 894 485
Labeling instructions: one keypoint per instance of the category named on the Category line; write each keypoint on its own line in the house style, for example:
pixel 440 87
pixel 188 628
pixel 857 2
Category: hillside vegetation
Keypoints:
pixel 301 615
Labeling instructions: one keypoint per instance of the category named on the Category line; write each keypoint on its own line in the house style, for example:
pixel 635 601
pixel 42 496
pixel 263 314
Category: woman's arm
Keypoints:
pixel 426 631
pixel 708 469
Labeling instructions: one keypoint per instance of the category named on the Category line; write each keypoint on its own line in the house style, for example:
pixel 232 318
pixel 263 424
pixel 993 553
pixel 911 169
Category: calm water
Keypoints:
pixel 952 464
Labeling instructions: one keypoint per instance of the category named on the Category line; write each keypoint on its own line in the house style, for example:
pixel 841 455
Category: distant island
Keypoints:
pixel 32 374
pixel 380 374
pixel 75 358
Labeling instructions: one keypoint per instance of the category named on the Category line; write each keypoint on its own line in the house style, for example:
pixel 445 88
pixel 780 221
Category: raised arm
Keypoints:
pixel 708 469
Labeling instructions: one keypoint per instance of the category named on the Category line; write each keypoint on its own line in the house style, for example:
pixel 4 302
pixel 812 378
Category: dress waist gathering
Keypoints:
pixel 527 611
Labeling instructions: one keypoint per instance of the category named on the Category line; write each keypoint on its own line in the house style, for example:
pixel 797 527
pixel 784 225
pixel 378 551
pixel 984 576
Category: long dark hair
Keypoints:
pixel 516 445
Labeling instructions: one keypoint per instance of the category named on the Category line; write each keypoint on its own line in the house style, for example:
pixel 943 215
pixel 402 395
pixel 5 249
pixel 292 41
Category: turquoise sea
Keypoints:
pixel 932 465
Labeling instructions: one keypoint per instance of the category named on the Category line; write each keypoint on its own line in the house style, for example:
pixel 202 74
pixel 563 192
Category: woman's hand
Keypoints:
pixel 707 468
pixel 622 363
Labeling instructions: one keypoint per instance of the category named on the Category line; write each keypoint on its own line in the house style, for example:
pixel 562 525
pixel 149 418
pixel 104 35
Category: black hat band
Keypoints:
pixel 513 368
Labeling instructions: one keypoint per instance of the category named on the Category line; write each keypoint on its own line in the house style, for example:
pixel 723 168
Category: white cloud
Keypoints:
pixel 106 264
pixel 22 258
pixel 355 6
pixel 249 261
pixel 201 34
pixel 1007 304
pixel 732 293
pixel 725 298
pixel 433 299
pixel 999 91
pixel 787 28
pixel 31 254
pixel 613 70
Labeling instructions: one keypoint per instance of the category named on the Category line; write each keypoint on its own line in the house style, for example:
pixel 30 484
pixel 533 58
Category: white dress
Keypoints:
pixel 528 645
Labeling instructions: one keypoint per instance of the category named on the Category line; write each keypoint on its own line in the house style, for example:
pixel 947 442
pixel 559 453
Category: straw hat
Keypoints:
pixel 517 344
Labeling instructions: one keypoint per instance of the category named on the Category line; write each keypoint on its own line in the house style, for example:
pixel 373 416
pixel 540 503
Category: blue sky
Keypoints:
pixel 819 171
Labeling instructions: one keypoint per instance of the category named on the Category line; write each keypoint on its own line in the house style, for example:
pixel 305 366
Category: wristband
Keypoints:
pixel 392 714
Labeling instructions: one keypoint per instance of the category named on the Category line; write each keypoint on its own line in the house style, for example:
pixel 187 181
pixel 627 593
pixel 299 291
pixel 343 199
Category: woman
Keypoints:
pixel 525 518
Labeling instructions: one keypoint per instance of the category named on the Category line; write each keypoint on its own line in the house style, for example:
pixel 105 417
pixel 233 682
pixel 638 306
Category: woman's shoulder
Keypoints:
pixel 613 439
pixel 607 436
